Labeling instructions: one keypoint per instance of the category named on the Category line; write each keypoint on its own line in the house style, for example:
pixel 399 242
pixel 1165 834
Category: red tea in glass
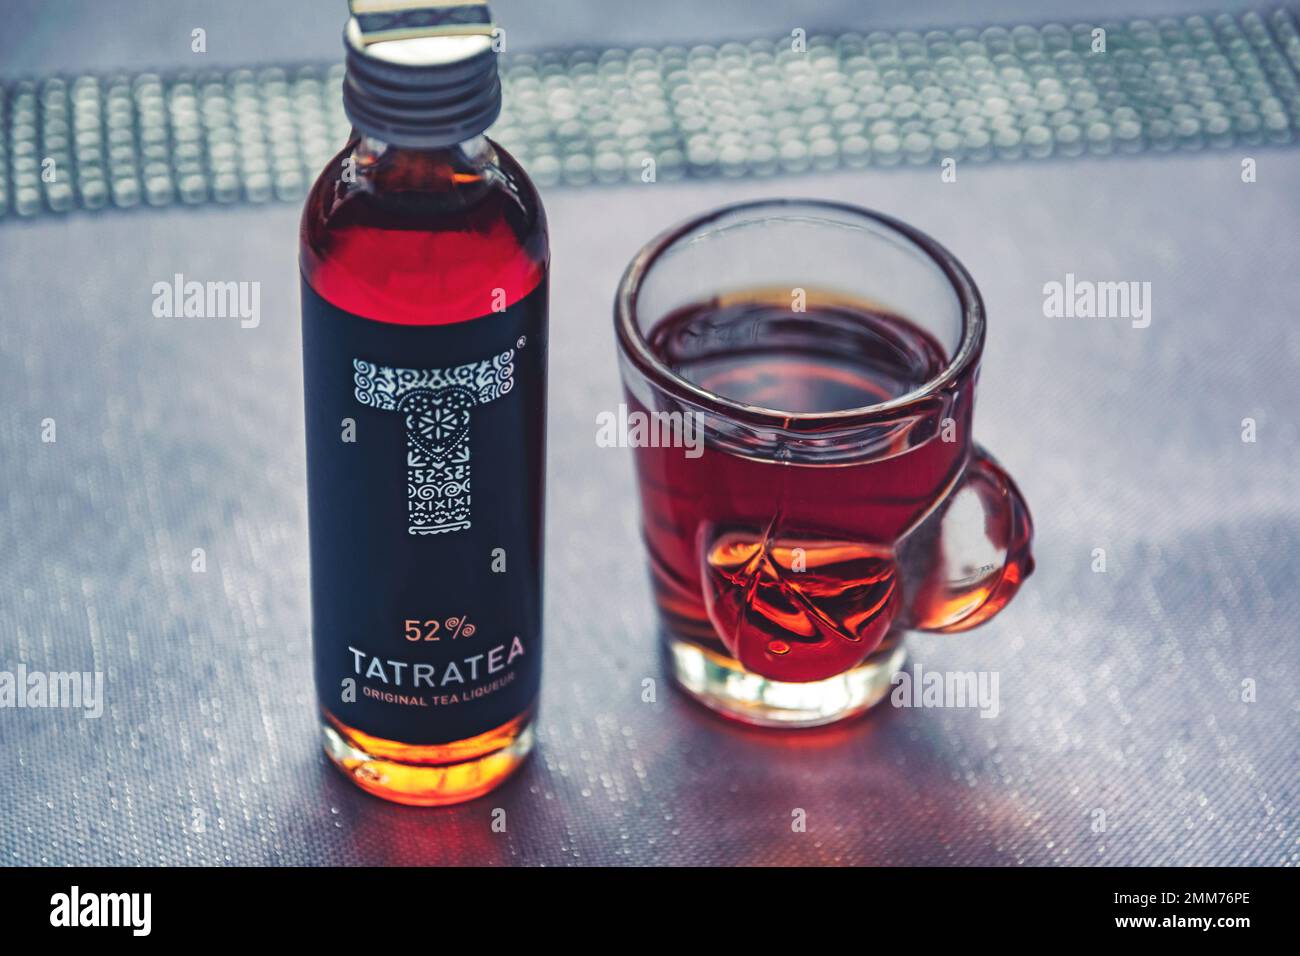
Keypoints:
pixel 816 522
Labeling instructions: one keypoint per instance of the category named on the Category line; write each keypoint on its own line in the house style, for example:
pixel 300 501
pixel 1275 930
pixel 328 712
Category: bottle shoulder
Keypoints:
pixel 423 237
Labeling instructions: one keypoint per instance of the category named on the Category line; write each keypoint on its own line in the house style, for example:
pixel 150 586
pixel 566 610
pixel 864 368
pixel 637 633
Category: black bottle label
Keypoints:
pixel 425 449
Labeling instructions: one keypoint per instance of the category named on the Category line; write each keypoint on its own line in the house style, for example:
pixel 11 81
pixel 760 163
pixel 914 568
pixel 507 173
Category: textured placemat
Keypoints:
pixel 1123 734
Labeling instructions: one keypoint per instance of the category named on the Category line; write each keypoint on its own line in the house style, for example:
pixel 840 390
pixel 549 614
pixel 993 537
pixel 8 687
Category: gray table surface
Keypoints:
pixel 1120 692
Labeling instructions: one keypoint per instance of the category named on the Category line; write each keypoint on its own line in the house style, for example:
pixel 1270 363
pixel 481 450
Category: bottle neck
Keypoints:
pixel 476 151
pixel 459 174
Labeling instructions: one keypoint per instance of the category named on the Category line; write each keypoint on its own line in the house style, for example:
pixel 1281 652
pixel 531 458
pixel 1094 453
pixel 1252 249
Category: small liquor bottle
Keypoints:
pixel 424 319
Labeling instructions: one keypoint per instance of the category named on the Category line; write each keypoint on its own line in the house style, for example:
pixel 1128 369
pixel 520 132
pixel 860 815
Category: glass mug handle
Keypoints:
pixel 966 562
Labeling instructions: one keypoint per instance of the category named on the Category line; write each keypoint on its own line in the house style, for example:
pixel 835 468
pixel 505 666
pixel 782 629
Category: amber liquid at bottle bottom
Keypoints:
pixel 429 775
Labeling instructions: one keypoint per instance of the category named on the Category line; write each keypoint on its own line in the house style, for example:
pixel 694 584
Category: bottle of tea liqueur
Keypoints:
pixel 424 319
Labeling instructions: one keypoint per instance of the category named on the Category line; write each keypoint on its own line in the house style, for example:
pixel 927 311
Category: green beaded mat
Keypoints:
pixel 788 105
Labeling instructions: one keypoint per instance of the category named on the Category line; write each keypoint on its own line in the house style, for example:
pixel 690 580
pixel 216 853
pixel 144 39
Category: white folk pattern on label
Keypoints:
pixel 436 404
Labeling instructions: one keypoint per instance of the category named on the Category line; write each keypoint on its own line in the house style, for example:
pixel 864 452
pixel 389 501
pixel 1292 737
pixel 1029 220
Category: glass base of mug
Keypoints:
pixel 719 682
pixel 428 775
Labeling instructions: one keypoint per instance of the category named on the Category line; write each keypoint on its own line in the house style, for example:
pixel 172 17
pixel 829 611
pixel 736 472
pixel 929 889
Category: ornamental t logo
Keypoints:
pixel 436 404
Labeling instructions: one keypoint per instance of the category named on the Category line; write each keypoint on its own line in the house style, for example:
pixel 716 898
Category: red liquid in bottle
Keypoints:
pixel 423 237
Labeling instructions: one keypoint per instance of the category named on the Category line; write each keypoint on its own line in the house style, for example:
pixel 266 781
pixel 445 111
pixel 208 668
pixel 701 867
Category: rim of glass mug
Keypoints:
pixel 633 345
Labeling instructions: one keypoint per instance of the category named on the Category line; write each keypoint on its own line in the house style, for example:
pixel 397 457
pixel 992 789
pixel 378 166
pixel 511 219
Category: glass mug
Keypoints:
pixel 799 379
